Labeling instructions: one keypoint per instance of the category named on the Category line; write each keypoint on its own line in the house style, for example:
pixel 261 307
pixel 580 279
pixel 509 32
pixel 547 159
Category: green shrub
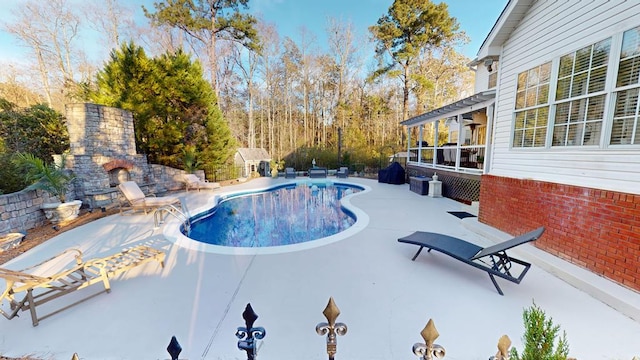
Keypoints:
pixel 540 338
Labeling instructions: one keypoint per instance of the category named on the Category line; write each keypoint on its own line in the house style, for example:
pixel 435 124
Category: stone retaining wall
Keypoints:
pixel 20 211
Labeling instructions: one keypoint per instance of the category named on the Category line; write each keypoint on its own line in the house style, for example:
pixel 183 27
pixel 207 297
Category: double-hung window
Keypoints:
pixel 580 96
pixel 532 107
pixel 625 128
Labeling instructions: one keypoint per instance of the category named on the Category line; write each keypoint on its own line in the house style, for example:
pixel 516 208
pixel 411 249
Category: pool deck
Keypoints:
pixel 385 299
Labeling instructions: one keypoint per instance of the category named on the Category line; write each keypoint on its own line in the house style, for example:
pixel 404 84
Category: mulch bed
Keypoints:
pixel 41 234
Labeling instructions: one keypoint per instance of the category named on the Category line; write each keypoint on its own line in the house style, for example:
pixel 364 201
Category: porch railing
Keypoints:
pixel 462 158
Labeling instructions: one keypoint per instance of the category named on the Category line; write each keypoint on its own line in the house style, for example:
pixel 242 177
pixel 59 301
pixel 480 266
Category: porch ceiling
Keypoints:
pixel 459 107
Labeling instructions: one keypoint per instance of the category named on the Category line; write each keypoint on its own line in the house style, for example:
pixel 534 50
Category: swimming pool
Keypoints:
pixel 288 217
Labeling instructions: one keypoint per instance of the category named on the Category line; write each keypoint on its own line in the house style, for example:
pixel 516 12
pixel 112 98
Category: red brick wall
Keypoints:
pixel 596 229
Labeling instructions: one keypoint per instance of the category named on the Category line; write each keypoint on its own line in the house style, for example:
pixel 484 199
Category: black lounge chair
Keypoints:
pixel 493 259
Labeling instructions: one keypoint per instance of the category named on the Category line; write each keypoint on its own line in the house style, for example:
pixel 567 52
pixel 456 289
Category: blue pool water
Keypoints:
pixel 284 215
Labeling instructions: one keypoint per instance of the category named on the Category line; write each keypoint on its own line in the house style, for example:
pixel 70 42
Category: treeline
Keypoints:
pixel 288 95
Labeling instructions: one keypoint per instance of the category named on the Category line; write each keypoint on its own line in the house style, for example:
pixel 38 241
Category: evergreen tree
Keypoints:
pixel 172 103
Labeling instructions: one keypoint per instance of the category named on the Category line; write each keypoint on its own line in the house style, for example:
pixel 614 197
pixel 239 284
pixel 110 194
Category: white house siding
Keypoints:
pixel 481 79
pixel 549 30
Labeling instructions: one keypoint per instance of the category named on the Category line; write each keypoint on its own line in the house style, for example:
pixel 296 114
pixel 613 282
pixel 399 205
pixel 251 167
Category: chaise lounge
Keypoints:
pixel 138 200
pixel 493 259
pixel 194 182
pixel 42 288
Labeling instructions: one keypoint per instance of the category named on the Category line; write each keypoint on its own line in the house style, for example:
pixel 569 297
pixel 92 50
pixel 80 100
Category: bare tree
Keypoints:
pixel 49 29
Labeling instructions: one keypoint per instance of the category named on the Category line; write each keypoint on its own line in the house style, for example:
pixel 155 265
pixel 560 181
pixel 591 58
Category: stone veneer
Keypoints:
pixel 102 138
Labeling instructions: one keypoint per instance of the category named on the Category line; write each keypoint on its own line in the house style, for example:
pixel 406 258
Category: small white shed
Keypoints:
pixel 253 160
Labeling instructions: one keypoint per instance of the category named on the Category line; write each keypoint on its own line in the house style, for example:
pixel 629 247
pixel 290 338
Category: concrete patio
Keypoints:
pixel 385 298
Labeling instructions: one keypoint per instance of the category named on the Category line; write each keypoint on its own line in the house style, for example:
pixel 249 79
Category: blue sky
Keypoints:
pixel 475 17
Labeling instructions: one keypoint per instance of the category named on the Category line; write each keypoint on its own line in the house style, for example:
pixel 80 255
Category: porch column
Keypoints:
pixel 436 125
pixel 419 144
pixel 409 142
pixel 460 120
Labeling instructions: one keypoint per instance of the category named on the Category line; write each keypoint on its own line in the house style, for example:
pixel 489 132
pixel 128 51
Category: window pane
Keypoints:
pixel 601 53
pixel 631 43
pixel 543 94
pixel 517 138
pixel 628 71
pixel 563 89
pixel 583 57
pixel 579 85
pixel 618 132
pixel 520 120
pixel 574 137
pixel 566 65
pixel 597 79
pixel 520 99
pixel 531 97
pixel 562 113
pixel 528 138
pixel 545 72
pixel 543 117
pixel 625 118
pixel 532 78
pixel 522 80
pixel 559 135
pixel 595 110
pixel 626 103
pixel 592 133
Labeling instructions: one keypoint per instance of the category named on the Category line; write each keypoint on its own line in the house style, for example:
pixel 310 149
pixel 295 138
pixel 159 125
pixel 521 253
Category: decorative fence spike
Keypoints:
pixel 428 350
pixel 75 356
pixel 331 328
pixel 174 349
pixel 249 334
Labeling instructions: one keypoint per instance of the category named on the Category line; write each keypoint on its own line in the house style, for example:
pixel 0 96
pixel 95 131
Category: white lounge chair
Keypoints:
pixel 138 200
pixel 194 182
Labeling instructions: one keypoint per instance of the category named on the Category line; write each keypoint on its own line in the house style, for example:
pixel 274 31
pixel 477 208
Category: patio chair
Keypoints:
pixel 343 172
pixel 289 173
pixel 138 200
pixel 35 289
pixel 194 182
pixel 493 259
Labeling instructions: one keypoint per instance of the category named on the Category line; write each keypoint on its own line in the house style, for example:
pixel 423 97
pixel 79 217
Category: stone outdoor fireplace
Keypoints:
pixel 103 151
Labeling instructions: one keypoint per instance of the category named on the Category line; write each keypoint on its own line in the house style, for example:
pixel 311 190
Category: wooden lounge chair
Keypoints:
pixel 493 259
pixel 138 200
pixel 36 290
pixel 194 182
pixel 289 173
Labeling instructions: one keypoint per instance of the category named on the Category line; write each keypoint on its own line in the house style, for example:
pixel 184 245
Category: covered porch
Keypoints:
pixel 465 148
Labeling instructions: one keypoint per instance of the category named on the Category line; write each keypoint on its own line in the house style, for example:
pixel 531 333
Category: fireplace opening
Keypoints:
pixel 118 176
